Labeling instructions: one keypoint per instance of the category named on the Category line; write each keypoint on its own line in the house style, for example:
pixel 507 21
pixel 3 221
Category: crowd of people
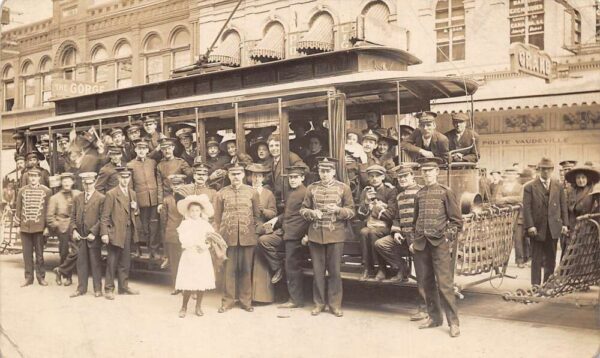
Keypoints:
pixel 222 216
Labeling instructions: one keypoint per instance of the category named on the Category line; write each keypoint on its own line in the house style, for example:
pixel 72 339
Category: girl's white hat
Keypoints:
pixel 203 200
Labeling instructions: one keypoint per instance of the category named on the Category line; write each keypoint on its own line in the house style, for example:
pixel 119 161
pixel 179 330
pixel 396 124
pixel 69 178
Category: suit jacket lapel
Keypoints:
pixel 123 199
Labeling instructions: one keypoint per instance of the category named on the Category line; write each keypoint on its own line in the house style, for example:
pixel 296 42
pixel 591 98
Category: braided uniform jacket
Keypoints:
pixel 330 228
pixel 32 204
pixel 404 222
pixel 237 214
pixel 436 208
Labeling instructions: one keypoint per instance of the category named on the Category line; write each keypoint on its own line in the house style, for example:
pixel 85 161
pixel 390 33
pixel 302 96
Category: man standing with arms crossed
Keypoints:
pixel 437 220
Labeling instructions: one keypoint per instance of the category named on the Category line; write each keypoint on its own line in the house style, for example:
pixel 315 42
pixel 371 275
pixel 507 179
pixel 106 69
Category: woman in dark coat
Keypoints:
pixel 580 200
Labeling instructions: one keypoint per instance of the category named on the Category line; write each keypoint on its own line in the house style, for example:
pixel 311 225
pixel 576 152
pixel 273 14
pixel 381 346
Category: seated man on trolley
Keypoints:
pixel 426 141
pixel 463 139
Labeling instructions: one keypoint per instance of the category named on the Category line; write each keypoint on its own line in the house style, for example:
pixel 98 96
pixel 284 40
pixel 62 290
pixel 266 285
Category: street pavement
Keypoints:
pixel 44 322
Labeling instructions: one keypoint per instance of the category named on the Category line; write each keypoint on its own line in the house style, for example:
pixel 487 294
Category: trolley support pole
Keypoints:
pixel 162 122
pixel 398 126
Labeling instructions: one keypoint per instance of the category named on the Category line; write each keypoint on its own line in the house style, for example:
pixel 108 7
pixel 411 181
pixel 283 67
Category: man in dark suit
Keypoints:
pixel 118 227
pixel 108 177
pixel 426 141
pixel 546 218
pixel 463 137
pixel 275 180
pixel 85 230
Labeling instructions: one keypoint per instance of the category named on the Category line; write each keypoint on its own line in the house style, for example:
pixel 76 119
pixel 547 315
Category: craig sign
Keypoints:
pixel 531 60
pixel 66 88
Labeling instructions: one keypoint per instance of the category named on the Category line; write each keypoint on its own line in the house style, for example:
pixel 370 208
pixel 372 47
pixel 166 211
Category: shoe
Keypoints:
pixel 277 276
pixel 521 265
pixel 27 283
pixel 175 292
pixel 58 276
pixel 224 309
pixel 289 304
pixel 247 308
pixel 97 294
pixel 68 281
pixel 199 312
pixel 317 310
pixel 337 312
pixel 109 295
pixel 397 278
pixel 182 313
pixel 364 276
pixel 42 282
pixel 454 331
pixel 165 264
pixel 419 316
pixel 128 291
pixel 76 294
pixel 380 275
pixel 430 324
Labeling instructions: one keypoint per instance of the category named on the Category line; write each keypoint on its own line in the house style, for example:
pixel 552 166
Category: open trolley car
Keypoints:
pixel 340 88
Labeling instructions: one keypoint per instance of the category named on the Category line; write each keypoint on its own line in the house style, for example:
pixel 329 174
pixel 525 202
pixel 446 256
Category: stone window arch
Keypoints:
pixel 46 79
pixel 153 45
pixel 100 59
pixel 28 85
pixel 8 88
pixel 180 48
pixel 123 64
pixel 68 61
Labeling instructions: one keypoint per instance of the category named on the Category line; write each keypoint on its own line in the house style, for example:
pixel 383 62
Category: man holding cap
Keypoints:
pixel 237 214
pixel 546 218
pixel 437 221
pixel 32 204
pixel 463 137
pixel 118 227
pixel 329 207
pixel 426 141
pixel 108 177
pixel 377 208
pixel 145 185
pixel 85 231
pixel 58 217
pixel 289 227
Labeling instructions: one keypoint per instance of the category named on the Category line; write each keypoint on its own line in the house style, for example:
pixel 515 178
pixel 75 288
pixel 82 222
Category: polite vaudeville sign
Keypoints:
pixel 62 88
pixel 531 60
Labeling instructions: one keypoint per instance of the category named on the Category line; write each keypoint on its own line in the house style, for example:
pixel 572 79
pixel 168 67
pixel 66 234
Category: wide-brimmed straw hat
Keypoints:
pixel 592 174
pixel 202 200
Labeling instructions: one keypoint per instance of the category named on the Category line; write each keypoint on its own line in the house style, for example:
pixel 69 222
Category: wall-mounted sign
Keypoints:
pixel 531 60
pixel 62 88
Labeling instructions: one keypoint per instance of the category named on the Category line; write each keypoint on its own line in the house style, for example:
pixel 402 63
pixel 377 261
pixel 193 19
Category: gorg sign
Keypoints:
pixel 529 59
pixel 66 88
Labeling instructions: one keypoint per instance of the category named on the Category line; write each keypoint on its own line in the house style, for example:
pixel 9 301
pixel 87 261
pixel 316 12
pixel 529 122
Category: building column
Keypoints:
pixel 137 69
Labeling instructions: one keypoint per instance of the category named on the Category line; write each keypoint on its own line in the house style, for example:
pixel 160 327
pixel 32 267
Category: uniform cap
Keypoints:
pixel 431 163
pixel 568 163
pixel 235 167
pixel 166 142
pixel 150 119
pixel 460 117
pixel 376 169
pixel 369 134
pixel 115 150
pixel 299 169
pixel 327 162
pixel 141 142
pixel 34 171
pixel 34 154
pixel 62 138
pixel 18 135
pixel 19 157
pixel 184 132
pixel 407 130
pixel 124 172
pixel 426 117
pixel 200 166
pixel 177 178
pixel 133 128
pixel 212 141
pixel 88 177
pixel 67 175
pixel 403 169
pixel 116 131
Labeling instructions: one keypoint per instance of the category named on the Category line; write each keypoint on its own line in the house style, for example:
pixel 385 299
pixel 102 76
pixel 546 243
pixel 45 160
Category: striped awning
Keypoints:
pixel 271 47
pixel 228 52
pixel 319 38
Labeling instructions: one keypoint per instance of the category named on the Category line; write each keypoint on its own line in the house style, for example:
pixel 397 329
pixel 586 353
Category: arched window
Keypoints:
pixel 180 45
pixel 228 52
pixel 99 58
pixel 272 45
pixel 67 62
pixel 8 88
pixel 154 62
pixel 123 65
pixel 46 76
pixel 319 37
pixel 450 30
pixel 28 85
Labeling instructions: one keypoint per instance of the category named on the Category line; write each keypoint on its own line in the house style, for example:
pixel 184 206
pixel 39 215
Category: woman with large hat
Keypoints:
pixel 580 200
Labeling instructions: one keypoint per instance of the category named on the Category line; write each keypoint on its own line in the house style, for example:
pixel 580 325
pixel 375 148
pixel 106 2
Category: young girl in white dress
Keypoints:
pixel 195 272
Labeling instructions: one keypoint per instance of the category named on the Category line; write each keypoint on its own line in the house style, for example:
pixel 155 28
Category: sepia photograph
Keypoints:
pixel 300 178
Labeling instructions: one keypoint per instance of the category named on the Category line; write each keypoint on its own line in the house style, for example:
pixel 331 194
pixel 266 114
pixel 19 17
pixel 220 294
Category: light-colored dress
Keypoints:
pixel 195 271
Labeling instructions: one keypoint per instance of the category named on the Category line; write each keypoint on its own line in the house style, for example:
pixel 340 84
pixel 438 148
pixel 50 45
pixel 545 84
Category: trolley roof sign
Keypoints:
pixel 62 88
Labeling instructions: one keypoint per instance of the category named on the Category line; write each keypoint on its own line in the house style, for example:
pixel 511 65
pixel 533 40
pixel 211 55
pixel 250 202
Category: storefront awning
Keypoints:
pixel 271 47
pixel 319 38
pixel 228 52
